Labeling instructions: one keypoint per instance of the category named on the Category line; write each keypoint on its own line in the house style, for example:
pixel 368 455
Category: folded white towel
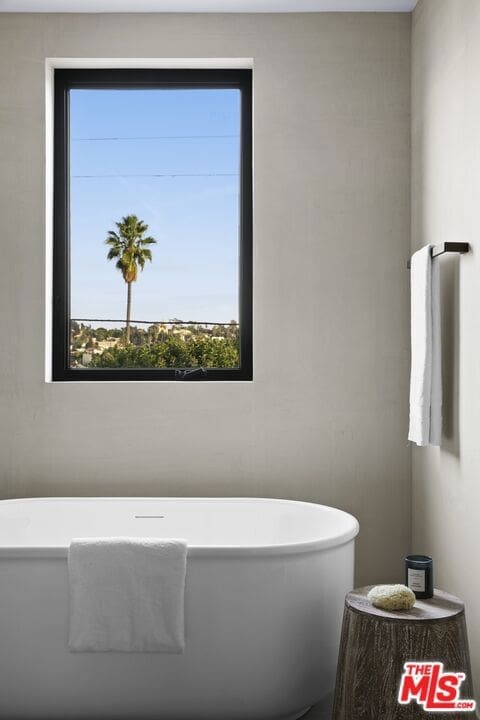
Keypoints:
pixel 127 594
pixel 426 369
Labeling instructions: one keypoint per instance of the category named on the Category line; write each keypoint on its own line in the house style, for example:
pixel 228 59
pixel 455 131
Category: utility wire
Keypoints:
pixel 158 175
pixel 155 322
pixel 156 137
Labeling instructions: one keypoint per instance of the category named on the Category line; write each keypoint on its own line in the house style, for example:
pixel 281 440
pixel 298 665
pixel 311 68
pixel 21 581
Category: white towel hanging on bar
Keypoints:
pixel 426 369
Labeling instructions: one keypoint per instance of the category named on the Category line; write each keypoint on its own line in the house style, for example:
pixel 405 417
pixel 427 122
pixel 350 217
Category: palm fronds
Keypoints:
pixel 130 246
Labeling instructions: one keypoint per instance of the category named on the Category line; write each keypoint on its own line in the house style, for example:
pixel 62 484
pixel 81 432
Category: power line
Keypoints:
pixel 155 322
pixel 155 137
pixel 157 175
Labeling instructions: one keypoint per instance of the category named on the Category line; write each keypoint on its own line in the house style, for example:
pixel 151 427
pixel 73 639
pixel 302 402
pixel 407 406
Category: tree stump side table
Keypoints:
pixel 376 643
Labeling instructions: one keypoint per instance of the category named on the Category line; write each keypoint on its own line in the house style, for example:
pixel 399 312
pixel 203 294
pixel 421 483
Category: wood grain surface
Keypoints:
pixel 441 607
pixel 376 643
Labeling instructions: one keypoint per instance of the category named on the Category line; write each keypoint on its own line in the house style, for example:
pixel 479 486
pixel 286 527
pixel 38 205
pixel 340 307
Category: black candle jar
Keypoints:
pixel 419 575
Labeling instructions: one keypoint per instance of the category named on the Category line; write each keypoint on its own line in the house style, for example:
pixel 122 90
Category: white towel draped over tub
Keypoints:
pixel 127 594
pixel 426 370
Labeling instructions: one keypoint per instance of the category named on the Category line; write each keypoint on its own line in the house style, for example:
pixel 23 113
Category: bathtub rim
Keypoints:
pixel 282 549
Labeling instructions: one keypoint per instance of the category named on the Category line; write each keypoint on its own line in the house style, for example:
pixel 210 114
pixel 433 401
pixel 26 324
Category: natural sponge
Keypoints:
pixel 392 597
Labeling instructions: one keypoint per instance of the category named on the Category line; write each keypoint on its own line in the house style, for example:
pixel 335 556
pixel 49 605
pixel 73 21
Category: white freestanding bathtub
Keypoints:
pixel 266 581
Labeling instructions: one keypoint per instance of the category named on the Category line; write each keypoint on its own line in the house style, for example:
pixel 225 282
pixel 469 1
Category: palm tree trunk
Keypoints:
pixel 129 307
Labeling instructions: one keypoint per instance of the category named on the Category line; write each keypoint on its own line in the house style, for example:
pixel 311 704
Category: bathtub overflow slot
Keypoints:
pixel 148 517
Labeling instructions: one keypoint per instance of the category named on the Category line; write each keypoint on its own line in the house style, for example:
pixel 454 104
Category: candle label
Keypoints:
pixel 416 580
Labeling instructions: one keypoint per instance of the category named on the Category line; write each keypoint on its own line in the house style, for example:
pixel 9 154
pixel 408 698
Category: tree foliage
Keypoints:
pixel 172 352
pixel 129 246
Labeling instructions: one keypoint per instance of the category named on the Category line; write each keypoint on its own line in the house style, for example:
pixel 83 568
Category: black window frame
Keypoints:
pixel 66 79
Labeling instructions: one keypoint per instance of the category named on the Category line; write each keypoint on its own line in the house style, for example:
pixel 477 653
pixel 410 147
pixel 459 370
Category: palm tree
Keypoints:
pixel 130 247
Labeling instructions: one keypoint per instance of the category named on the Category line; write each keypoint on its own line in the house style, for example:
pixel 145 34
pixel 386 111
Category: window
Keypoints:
pixel 152 271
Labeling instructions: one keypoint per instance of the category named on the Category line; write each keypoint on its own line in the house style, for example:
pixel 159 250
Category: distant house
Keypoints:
pixel 108 343
pixel 182 333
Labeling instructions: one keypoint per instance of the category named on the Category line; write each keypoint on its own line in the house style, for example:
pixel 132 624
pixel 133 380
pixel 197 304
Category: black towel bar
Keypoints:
pixel 448 247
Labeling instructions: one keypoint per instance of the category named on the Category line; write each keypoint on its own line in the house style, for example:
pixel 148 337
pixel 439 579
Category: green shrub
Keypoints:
pixel 172 352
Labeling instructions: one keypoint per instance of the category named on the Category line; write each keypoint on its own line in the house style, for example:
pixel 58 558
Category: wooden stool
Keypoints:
pixel 375 645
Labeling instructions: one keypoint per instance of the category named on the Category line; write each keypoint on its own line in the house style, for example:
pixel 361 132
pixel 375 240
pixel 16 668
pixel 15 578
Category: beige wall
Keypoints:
pixel 325 419
pixel 445 204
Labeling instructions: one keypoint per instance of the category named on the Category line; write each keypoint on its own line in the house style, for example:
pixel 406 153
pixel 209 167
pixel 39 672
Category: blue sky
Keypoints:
pixel 193 215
